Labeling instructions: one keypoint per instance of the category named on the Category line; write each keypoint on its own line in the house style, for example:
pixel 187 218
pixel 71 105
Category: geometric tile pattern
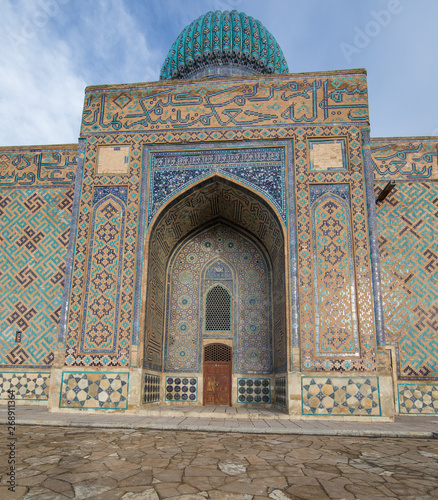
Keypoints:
pixel 182 389
pixel 172 170
pixel 408 242
pixel 340 396
pixel 335 289
pixel 254 391
pixel 280 392
pixel 417 399
pixel 101 307
pixel 404 159
pixel 151 390
pixel 197 208
pixel 354 177
pixel 94 390
pixel 204 105
pixel 124 192
pixel 220 256
pixel 34 232
pixel 214 112
pixel 29 386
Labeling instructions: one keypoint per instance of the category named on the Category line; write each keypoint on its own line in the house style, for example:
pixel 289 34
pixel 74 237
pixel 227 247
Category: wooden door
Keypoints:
pixel 217 383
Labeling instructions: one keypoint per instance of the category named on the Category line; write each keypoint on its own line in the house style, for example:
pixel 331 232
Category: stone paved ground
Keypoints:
pixel 71 463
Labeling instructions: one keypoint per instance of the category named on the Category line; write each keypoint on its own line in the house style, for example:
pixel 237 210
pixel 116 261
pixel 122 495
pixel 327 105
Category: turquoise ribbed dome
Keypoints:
pixel 223 43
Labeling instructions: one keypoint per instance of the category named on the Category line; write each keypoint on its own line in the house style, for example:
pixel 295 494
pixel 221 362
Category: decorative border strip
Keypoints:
pixel 416 399
pixel 25 385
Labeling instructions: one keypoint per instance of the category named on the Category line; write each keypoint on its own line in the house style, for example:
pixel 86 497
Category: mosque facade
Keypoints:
pixel 228 235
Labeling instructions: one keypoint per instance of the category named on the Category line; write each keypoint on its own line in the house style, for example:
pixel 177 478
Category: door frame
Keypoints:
pixel 218 340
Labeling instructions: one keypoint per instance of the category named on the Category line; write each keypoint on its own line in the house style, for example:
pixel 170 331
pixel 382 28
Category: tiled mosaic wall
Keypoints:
pixel 194 210
pixel 234 112
pixel 26 385
pixel 405 159
pixel 340 396
pixel 36 192
pixel 254 391
pixel 151 388
pixel 184 389
pixel 416 399
pixel 219 256
pixel 408 241
pixel 94 390
pixel 281 392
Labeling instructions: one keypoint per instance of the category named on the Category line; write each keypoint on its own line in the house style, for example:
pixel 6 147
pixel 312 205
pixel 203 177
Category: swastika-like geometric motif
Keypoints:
pixel 417 399
pixel 101 308
pixel 28 386
pixel 408 242
pixel 183 389
pixel 94 390
pixel 219 258
pixel 340 396
pixel 34 232
pixel 254 390
pixel 409 159
pixel 335 288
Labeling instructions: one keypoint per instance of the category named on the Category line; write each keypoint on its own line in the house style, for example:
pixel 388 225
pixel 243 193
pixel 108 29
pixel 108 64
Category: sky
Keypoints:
pixel 50 50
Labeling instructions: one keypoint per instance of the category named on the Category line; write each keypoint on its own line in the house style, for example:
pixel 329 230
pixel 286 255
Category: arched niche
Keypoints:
pixel 213 200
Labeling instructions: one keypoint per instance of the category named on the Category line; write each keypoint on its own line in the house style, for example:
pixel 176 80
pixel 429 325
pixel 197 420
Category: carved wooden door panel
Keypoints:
pixel 217 383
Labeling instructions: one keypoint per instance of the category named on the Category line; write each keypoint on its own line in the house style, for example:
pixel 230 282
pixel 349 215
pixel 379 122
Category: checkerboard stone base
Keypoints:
pixel 29 386
pixel 416 399
pixel 94 390
pixel 349 396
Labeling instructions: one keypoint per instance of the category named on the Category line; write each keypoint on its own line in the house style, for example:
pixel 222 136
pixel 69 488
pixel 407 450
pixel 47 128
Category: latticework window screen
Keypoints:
pixel 218 310
pixel 217 352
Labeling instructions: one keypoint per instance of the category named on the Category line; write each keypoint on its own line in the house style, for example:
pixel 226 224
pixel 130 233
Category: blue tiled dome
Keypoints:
pixel 223 43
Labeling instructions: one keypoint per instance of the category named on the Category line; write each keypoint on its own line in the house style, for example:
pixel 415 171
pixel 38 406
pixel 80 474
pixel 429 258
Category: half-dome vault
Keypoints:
pixel 223 43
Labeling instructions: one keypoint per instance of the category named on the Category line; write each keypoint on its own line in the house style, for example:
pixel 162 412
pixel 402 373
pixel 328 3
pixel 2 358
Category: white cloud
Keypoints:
pixel 41 94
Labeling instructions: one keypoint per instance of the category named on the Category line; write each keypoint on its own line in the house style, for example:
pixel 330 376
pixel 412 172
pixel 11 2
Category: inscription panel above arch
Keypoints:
pixel 172 169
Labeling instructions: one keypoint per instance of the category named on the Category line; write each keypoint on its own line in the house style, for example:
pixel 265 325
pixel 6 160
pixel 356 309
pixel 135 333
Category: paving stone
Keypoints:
pixel 18 494
pixel 149 494
pixel 309 492
pixel 135 465
pixel 143 478
pixel 90 489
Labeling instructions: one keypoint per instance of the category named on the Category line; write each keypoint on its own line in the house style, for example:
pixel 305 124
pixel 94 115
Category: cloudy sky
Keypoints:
pixel 50 50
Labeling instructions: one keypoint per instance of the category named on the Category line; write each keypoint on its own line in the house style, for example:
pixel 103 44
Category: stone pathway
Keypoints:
pixel 226 419
pixel 102 464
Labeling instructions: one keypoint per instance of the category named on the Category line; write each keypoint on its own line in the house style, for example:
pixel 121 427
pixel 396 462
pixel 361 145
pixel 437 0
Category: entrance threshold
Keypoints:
pixel 226 412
